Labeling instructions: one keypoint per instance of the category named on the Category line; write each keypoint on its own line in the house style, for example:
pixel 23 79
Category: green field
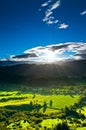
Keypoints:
pixel 17 98
pixel 42 108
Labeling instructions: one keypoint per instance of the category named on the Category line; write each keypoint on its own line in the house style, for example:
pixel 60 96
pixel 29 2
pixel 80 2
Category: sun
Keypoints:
pixel 49 56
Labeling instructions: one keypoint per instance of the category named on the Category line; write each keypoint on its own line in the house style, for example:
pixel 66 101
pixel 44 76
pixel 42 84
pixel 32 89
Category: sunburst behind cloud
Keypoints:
pixel 53 53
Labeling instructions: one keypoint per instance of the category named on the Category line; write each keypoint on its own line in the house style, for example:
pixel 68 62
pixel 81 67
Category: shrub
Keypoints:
pixel 62 126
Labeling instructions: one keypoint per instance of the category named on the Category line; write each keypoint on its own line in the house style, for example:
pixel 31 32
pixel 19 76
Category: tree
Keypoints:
pixel 62 126
pixel 51 102
pixel 44 106
pixel 31 105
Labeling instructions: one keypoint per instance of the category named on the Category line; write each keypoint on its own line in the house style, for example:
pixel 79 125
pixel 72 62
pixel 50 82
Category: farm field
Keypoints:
pixel 17 98
pixel 42 108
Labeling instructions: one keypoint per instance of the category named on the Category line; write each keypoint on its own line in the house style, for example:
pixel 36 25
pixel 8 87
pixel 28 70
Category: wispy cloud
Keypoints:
pixel 55 5
pixel 54 52
pixel 52 21
pixel 46 3
pixel 49 16
pixel 83 13
pixel 63 26
pixel 48 13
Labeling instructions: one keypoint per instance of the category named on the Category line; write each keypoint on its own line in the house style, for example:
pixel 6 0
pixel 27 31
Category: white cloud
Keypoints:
pixel 12 56
pixel 83 13
pixel 49 18
pixel 4 59
pixel 78 57
pixel 48 13
pixel 52 21
pixel 63 26
pixel 45 19
pixel 53 53
pixel 56 21
pixel 55 5
pixel 46 3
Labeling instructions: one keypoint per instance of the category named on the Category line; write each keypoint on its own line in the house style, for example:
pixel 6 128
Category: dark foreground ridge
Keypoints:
pixel 43 73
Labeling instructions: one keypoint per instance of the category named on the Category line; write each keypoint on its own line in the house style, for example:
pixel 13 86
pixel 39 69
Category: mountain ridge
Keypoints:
pixel 30 73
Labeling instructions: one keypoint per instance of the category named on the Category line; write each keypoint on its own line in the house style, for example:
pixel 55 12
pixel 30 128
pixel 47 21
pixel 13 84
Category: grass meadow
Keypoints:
pixel 42 108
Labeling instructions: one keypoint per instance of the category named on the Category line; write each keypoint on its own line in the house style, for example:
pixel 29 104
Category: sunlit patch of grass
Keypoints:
pixel 50 123
pixel 24 125
pixel 8 92
pixel 49 110
pixel 59 101
pixel 83 110
pixel 14 102
pixel 81 128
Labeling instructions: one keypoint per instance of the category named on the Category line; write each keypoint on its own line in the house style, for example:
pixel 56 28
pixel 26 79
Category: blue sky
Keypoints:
pixel 25 24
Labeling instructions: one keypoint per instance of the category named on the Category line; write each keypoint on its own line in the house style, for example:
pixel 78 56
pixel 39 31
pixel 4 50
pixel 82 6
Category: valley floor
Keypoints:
pixel 54 108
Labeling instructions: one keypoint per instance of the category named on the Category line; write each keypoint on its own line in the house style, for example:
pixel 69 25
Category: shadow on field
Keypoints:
pixel 35 107
pixel 25 107
pixel 14 98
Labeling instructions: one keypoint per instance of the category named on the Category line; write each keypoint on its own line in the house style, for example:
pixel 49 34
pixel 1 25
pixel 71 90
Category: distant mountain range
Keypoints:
pixel 20 72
